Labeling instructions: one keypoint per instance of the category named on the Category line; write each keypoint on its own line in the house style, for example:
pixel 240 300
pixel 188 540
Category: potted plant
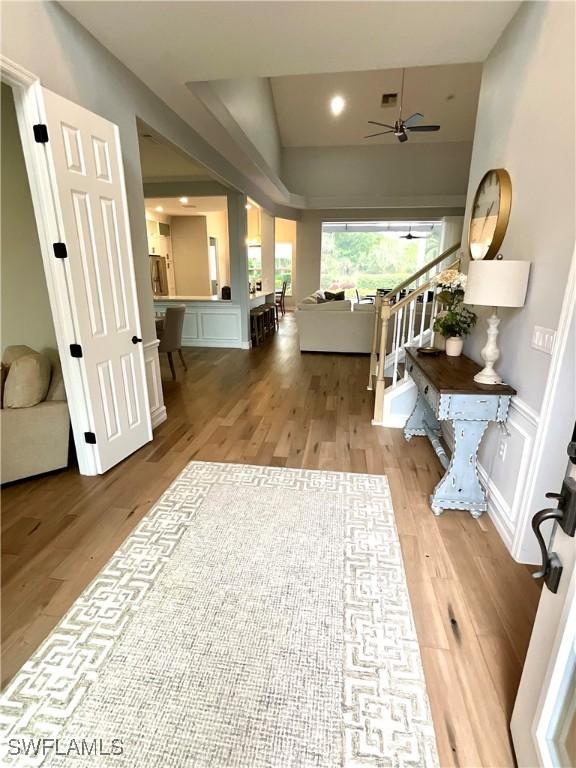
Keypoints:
pixel 456 321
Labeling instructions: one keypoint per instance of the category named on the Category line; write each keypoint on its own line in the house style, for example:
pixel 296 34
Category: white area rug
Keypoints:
pixel 256 618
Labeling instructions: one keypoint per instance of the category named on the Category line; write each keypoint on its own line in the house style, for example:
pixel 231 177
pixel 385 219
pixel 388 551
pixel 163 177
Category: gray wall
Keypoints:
pixel 249 101
pixel 399 174
pixel 26 314
pixel 525 124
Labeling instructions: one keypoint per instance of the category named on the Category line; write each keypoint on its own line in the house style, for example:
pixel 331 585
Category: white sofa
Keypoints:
pixel 34 435
pixel 335 326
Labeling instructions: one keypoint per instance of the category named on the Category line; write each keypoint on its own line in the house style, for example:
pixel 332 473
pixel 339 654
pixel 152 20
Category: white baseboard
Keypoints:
pixel 392 420
pixel 220 343
pixel 158 416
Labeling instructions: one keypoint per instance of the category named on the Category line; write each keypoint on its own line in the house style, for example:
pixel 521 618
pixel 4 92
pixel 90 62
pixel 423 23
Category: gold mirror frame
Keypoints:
pixel 505 201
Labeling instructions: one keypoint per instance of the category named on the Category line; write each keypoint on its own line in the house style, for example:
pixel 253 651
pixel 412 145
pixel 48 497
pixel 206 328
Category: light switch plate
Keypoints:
pixel 543 339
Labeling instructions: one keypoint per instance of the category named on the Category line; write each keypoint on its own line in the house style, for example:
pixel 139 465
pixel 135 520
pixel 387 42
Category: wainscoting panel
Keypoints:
pixel 190 330
pixel 154 383
pixel 220 325
pixel 209 323
pixel 504 459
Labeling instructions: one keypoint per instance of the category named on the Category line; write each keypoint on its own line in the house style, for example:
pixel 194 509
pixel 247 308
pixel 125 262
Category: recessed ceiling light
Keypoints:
pixel 183 200
pixel 159 208
pixel 337 104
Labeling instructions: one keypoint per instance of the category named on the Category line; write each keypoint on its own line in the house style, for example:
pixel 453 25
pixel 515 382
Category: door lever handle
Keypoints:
pixel 551 565
pixel 136 340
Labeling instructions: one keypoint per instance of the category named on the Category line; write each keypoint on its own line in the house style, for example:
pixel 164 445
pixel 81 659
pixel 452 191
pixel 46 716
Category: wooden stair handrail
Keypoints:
pixel 425 268
pixel 393 308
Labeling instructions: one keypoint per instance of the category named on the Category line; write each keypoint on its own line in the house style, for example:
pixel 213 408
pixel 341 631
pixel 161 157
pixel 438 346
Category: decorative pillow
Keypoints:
pixel 309 300
pixel 14 352
pixel 27 381
pixel 338 296
pixel 56 390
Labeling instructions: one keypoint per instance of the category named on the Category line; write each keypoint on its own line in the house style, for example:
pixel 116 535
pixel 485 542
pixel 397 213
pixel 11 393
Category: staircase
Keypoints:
pixel 403 317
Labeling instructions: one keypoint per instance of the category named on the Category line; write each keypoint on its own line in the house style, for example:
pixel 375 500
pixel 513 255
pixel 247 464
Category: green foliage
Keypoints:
pixel 366 261
pixel 457 321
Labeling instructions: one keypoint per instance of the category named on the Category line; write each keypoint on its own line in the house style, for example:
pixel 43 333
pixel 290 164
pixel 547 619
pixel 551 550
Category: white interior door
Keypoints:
pixel 86 164
pixel 544 718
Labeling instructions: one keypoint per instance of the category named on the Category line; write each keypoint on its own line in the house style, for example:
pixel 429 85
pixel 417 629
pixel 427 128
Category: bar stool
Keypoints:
pixel 274 309
pixel 256 326
pixel 269 321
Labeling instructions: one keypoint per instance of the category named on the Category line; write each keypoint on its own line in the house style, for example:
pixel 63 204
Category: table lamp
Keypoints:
pixel 495 283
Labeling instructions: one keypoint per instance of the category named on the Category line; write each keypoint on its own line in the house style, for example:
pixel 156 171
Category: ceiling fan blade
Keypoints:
pixel 371 135
pixel 424 128
pixel 413 119
pixel 382 125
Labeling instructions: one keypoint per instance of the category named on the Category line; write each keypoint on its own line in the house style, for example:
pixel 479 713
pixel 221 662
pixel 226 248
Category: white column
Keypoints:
pixel 238 232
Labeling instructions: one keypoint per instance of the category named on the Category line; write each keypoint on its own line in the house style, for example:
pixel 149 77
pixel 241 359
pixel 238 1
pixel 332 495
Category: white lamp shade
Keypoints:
pixel 497 283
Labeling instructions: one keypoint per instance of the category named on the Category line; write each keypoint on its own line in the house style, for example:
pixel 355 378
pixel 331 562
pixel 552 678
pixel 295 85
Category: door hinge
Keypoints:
pixel 76 350
pixel 90 438
pixel 60 250
pixel 40 133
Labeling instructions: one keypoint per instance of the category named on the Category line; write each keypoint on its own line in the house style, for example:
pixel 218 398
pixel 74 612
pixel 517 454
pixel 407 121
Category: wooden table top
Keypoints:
pixel 455 375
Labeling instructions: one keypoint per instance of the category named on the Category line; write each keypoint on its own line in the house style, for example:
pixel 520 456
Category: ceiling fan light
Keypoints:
pixel 402 137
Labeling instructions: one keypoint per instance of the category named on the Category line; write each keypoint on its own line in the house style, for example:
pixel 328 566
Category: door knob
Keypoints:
pixel 136 340
pixel 551 569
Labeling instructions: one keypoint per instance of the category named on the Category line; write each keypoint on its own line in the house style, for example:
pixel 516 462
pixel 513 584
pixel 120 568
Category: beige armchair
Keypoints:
pixel 34 439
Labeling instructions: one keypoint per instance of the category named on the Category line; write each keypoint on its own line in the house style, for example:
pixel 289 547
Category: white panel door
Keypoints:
pixel 85 155
pixel 544 719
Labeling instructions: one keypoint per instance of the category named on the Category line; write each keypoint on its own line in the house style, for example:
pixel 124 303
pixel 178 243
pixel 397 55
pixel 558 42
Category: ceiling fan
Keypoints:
pixel 401 126
pixel 410 236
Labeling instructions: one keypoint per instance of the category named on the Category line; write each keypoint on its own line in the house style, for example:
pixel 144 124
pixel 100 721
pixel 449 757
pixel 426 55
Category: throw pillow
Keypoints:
pixel 27 381
pixel 14 352
pixel 339 296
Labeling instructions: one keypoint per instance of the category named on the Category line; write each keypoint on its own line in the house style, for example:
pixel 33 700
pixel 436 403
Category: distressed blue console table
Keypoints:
pixel 447 392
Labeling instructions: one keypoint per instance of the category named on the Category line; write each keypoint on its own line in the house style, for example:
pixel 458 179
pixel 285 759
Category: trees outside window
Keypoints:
pixel 283 259
pixel 364 261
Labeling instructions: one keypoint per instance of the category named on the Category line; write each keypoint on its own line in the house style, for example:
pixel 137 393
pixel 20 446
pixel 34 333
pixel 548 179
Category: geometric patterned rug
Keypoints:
pixel 257 617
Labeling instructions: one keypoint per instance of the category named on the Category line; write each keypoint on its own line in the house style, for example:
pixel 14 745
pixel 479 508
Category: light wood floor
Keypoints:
pixel 473 606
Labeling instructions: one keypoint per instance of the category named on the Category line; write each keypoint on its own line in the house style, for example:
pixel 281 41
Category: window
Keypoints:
pixel 283 259
pixel 364 256
pixel 254 263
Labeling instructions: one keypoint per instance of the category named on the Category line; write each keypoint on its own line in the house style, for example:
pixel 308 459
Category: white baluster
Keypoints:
pixel 423 318
pixel 410 338
pixel 432 315
pixel 399 324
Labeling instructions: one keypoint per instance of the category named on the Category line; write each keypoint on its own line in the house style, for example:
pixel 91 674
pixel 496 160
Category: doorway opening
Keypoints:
pixel 35 419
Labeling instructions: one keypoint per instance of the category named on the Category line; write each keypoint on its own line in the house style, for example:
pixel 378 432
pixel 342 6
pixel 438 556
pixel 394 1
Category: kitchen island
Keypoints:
pixel 209 321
